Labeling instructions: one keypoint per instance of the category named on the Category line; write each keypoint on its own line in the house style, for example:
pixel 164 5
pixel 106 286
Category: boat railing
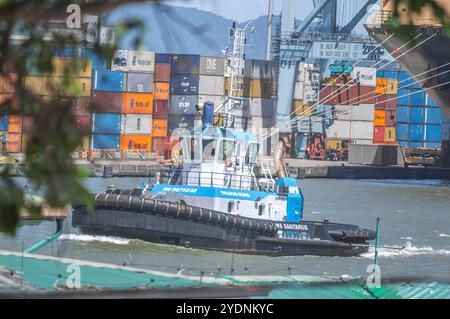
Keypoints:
pixel 216 179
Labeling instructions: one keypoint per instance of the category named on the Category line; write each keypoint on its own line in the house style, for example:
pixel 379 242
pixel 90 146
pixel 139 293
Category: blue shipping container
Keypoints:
pixel 415 144
pixel 184 84
pixel 433 133
pixel 162 58
pixel 180 121
pixel 433 144
pixel 402 131
pixel 416 132
pixel 404 80
pixel 185 63
pixel 403 97
pixel 4 122
pixel 403 113
pixel 104 80
pixel 417 97
pixel 433 115
pixel 429 101
pixel 183 104
pixel 417 114
pixel 385 74
pixel 106 141
pixel 106 123
pixel 97 62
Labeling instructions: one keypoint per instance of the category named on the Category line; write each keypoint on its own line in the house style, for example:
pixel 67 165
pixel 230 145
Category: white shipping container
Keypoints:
pixel 142 61
pixel 212 65
pixel 258 69
pixel 311 124
pixel 262 107
pixel 366 76
pixel 259 124
pixel 343 112
pixel 136 124
pixel 363 112
pixel 361 130
pixel 361 142
pixel 310 95
pixel 339 129
pixel 211 85
pixel 120 60
pixel 299 91
pixel 308 73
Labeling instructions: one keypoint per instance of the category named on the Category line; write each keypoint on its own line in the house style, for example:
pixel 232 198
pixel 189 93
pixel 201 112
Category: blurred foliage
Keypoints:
pixel 54 135
pixel 414 7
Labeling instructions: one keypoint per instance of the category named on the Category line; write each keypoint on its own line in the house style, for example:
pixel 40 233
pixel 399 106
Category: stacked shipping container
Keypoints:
pixel 420 122
pixel 184 85
pixel 384 131
pixel 350 103
pixel 161 104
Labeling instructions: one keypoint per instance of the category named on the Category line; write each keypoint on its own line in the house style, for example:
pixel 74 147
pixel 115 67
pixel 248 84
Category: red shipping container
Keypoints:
pixel 159 145
pixel 27 124
pixel 160 109
pixel 391 117
pixel 348 95
pixel 378 134
pixel 162 72
pixel 386 102
pixel 80 105
pixel 366 94
pixel 328 95
pixel 83 123
pixel 107 102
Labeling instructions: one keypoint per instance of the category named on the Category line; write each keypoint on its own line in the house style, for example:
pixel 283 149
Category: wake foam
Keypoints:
pixel 91 238
pixel 407 251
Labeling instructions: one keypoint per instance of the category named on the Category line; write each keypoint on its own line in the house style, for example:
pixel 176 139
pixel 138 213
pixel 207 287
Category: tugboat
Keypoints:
pixel 214 200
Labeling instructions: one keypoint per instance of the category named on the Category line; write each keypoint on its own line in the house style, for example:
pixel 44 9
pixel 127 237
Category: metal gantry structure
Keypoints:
pixel 292 45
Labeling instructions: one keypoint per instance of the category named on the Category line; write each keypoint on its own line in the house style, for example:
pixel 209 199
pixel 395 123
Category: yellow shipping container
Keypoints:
pixel 79 87
pixel 34 84
pixel 261 88
pixel 386 86
pixel 334 143
pixel 380 118
pixel 298 108
pixel 389 134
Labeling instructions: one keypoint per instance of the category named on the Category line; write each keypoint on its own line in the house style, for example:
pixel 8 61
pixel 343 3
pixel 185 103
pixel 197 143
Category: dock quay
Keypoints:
pixel 297 168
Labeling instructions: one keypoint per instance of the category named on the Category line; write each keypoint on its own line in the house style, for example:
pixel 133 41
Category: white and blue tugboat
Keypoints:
pixel 214 200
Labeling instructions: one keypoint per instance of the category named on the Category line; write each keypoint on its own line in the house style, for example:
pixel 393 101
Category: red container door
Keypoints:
pixel 378 134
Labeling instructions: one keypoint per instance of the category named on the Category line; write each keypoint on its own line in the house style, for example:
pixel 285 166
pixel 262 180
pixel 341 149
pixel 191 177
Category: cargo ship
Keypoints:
pixel 213 200
pixel 428 61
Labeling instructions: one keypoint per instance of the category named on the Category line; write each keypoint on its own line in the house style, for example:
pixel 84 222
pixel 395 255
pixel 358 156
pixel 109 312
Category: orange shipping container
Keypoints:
pixel 6 83
pixel 12 100
pixel 136 142
pixel 380 118
pixel 159 128
pixel 137 103
pixel 14 142
pixel 161 91
pixel 15 123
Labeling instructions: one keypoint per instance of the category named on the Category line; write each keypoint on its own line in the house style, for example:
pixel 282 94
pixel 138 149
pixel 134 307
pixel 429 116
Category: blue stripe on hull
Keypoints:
pixel 216 192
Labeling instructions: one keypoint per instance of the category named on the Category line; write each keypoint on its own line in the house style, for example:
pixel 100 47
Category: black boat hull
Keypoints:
pixel 153 223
